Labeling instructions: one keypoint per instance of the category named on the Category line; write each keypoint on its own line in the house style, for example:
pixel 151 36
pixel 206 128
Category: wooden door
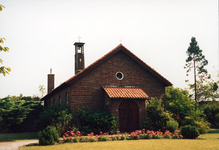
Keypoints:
pixel 128 116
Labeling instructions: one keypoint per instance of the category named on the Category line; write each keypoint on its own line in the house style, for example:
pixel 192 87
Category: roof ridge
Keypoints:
pixel 105 57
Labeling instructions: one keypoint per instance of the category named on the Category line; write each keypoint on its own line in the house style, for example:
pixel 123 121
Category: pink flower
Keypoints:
pixel 177 131
pixel 101 132
pixel 167 131
pixel 78 132
pixel 117 132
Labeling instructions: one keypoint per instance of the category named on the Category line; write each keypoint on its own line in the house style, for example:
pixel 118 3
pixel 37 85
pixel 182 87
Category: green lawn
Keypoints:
pixel 208 141
pixel 18 136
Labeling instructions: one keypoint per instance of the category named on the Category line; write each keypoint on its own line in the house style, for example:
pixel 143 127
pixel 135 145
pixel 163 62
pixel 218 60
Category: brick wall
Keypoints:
pixel 88 91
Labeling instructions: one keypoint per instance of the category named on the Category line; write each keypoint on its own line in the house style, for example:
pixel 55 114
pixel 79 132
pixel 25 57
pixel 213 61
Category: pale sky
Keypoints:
pixel 41 34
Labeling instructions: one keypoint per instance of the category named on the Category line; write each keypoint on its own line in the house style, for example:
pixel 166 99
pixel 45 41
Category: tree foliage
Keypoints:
pixel 14 110
pixel 3 70
pixel 42 90
pixel 179 103
pixel 211 110
pixel 1 7
pixel 157 117
pixel 207 90
pixel 196 62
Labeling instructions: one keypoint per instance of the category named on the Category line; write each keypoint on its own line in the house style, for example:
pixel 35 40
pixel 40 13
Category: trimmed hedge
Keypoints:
pixel 189 132
pixel 48 136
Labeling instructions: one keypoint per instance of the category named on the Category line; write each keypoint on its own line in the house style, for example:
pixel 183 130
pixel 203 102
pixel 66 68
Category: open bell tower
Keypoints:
pixel 79 56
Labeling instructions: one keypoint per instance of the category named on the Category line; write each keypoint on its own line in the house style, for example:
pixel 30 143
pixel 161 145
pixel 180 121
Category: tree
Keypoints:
pixel 196 61
pixel 42 90
pixel 179 103
pixel 1 7
pixel 4 70
pixel 14 110
pixel 207 90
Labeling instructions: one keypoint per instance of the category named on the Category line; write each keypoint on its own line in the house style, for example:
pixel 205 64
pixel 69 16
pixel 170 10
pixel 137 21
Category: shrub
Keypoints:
pixel 211 110
pixel 96 122
pixel 189 132
pixel 179 103
pixel 48 136
pixel 172 125
pixel 217 120
pixel 156 116
pixel 56 115
pixel 203 126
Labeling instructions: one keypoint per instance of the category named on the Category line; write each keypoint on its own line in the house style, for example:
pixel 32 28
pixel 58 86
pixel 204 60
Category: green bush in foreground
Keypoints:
pixel 48 136
pixel 172 125
pixel 95 122
pixel 189 132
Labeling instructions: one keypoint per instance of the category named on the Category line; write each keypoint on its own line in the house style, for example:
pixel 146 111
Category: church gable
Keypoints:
pixel 122 60
pixel 119 82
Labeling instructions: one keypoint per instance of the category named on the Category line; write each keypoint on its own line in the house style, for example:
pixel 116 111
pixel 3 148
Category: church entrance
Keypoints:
pixel 128 116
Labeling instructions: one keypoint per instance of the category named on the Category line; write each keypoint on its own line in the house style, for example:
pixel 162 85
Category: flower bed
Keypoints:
pixel 74 137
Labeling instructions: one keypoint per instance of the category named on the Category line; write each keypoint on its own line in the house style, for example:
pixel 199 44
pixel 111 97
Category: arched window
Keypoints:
pixel 66 99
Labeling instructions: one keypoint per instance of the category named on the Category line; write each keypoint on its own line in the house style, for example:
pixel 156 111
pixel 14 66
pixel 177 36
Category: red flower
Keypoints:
pixel 78 132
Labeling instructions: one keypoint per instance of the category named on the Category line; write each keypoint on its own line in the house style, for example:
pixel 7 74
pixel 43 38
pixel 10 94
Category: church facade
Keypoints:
pixel 119 82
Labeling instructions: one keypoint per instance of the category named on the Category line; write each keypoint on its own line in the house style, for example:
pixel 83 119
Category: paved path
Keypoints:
pixel 15 145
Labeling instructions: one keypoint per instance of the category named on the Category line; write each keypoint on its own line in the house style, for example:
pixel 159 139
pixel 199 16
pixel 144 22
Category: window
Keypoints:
pixel 60 100
pixel 119 75
pixel 66 99
pixel 54 101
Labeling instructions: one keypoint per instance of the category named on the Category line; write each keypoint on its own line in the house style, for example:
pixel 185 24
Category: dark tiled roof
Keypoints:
pixel 125 92
pixel 86 70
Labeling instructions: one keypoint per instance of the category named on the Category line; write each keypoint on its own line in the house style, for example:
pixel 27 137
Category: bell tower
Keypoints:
pixel 79 56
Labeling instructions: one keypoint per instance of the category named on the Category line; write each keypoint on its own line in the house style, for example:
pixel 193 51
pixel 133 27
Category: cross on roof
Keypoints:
pixel 79 38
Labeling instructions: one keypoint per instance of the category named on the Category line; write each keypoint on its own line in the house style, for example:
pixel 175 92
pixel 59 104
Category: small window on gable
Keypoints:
pixel 119 75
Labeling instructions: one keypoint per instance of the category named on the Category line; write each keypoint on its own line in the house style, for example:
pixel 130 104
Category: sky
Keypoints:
pixel 41 34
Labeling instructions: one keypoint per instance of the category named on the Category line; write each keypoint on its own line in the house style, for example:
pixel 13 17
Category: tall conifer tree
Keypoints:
pixel 196 62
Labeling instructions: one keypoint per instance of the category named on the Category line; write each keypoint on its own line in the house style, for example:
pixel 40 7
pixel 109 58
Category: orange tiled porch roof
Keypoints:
pixel 129 92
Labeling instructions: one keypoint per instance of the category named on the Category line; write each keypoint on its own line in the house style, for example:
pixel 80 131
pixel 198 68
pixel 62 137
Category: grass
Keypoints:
pixel 208 141
pixel 18 136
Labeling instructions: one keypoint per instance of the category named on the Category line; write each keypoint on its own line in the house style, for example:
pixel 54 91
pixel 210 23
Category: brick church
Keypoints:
pixel 119 82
